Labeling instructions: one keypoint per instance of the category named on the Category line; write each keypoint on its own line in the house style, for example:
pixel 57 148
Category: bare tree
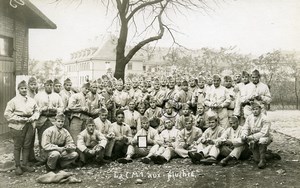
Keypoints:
pixel 157 11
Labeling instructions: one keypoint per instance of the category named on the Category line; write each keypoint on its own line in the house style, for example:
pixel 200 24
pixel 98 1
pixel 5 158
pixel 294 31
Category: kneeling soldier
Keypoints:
pixel 59 145
pixel 256 133
pixel 91 143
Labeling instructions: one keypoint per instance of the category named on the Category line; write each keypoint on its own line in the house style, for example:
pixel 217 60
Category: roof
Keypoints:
pixel 34 18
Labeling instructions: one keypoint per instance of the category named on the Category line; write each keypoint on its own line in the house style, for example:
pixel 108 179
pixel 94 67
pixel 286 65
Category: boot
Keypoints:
pixel 225 161
pixel 262 152
pixel 26 167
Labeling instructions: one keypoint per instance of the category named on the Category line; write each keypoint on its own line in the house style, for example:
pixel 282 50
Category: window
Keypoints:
pixel 6 46
pixel 129 66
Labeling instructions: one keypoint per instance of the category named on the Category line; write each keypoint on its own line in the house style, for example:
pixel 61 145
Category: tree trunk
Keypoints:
pixel 120 69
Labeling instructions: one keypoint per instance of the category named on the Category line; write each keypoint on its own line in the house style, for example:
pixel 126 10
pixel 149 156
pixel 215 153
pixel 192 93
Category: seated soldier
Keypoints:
pixel 153 113
pixel 229 145
pixel 136 148
pixel 103 125
pixel 256 133
pixel 119 137
pixel 201 117
pixel 91 143
pixel 132 117
pixel 167 144
pixel 168 114
pixel 187 138
pixel 186 112
pixel 207 140
pixel 59 145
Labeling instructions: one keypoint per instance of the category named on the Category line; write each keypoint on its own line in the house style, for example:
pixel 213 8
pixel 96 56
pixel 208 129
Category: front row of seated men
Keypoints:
pixel 100 142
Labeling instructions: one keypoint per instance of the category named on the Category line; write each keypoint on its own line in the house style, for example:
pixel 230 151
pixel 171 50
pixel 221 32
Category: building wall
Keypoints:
pixel 16 29
pixel 94 69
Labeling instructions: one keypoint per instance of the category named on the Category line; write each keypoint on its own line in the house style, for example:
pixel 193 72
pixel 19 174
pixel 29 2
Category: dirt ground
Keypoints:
pixel 181 172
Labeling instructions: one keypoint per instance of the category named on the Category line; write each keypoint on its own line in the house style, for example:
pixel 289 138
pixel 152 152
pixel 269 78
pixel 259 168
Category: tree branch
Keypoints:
pixel 150 39
pixel 141 6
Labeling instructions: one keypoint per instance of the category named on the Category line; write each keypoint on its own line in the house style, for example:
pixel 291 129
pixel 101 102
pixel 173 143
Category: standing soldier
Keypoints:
pixel 20 113
pixel 230 89
pixel 95 101
pixel 109 102
pixel 218 100
pixel 32 91
pixel 121 98
pixel 78 106
pixel 65 96
pixel 56 86
pixel 32 87
pixel 255 91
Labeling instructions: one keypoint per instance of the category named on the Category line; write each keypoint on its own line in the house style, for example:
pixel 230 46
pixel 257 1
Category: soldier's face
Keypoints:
pixel 145 125
pixel 127 86
pixel 185 87
pixel 256 111
pixel 192 83
pixel 212 123
pixel 142 110
pixel 169 125
pixel 201 84
pixel 48 88
pixel 94 89
pixel 200 109
pixel 234 124
pixel 228 83
pixel 209 81
pixel 23 90
pixel 119 87
pixel 32 86
pixel 68 86
pixel 152 104
pixel 131 106
pixel 103 116
pixel 245 79
pixel 135 84
pixel 171 84
pixel 90 128
pixel 59 123
pixel 120 118
pixel 57 88
pixel 217 82
pixel 255 78
pixel 237 78
pixel 169 110
pixel 156 86
pixel 188 125
pixel 185 111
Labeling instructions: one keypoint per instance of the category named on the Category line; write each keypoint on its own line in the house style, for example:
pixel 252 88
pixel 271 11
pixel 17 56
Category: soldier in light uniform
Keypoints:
pixel 167 144
pixel 21 112
pixel 187 138
pixel 256 133
pixel 207 140
pixel 183 96
pixel 65 94
pixel 230 89
pixel 132 117
pixel 91 143
pixel 152 139
pixel 59 145
pixel 199 93
pixel 255 90
pixel 79 108
pixel 120 97
pixel 218 100
pixel 32 87
pixel 50 104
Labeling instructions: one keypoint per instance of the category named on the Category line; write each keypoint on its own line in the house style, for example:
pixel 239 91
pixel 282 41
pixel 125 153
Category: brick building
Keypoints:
pixel 14 26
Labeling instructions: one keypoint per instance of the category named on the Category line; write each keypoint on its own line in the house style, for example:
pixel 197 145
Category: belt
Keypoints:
pixel 27 116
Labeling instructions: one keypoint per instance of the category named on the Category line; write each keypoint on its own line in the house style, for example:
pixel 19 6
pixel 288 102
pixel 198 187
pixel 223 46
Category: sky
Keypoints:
pixel 250 26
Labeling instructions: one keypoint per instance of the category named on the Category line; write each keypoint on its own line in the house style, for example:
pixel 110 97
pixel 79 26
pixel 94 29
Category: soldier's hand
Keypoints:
pixel 60 149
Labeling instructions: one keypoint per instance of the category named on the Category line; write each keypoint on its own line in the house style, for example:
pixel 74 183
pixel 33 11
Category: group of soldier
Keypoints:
pixel 154 119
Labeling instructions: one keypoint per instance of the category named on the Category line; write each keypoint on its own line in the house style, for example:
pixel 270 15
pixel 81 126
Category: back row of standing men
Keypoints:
pixel 161 101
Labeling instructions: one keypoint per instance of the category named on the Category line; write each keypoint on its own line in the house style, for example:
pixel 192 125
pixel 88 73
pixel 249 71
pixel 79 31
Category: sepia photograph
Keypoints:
pixel 149 93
